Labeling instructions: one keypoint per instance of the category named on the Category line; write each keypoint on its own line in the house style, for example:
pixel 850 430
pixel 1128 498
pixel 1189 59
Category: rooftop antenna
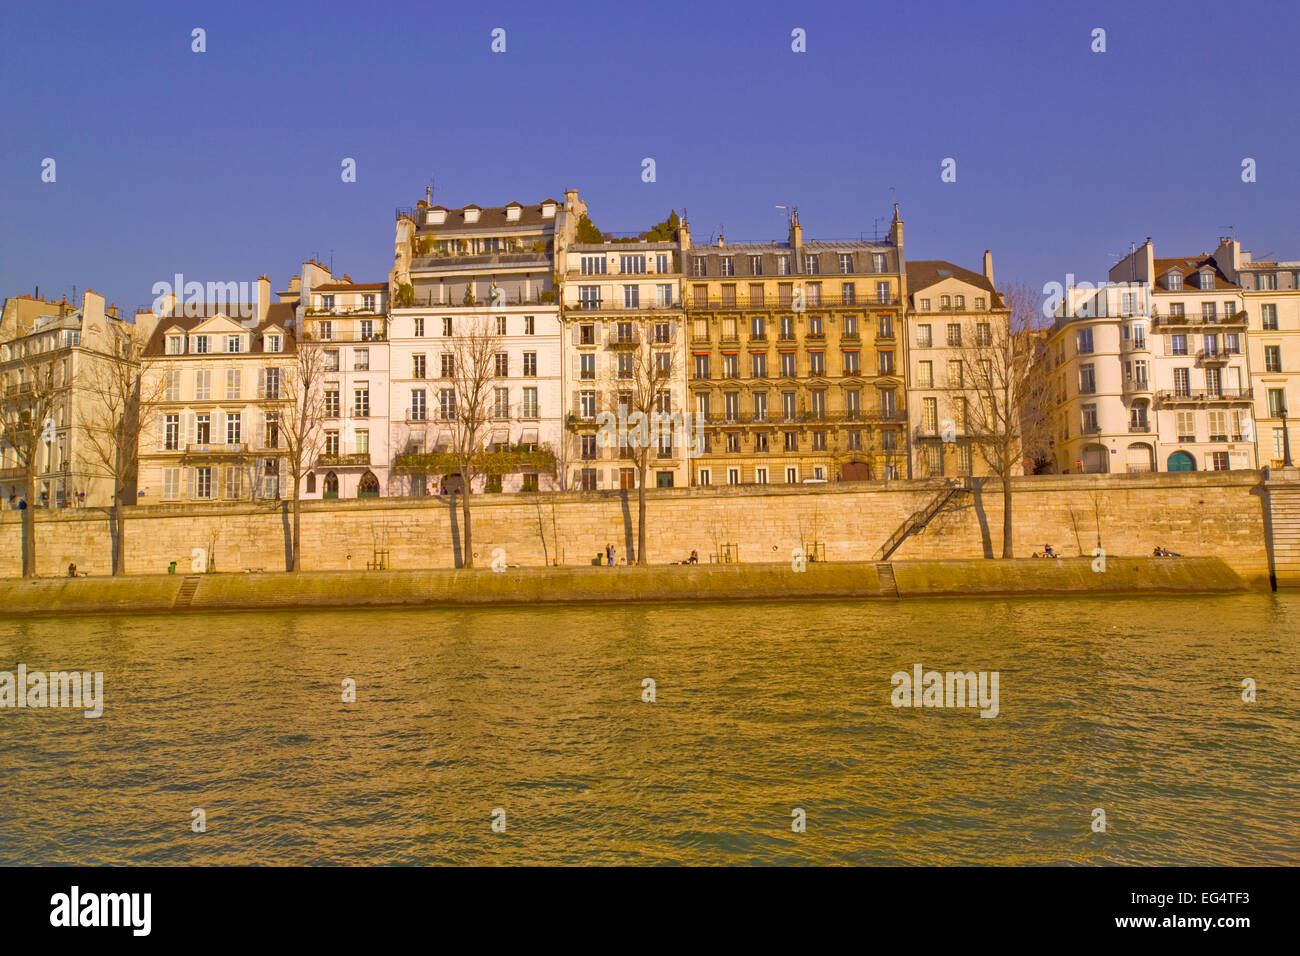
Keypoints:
pixel 875 229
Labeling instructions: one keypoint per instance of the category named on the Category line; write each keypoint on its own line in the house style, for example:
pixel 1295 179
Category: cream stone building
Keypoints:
pixel 348 321
pixel 215 430
pixel 478 272
pixel 951 313
pixel 624 334
pixel 1270 294
pixel 80 342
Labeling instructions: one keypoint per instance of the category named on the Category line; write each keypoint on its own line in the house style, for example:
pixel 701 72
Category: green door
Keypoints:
pixel 1181 461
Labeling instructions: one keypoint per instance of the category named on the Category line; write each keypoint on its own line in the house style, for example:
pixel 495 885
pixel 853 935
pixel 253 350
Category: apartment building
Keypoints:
pixel 1102 357
pixel 348 321
pixel 796 359
pixel 1203 396
pixel 624 339
pixel 79 343
pixel 951 314
pixel 1270 292
pixel 214 431
pixel 469 274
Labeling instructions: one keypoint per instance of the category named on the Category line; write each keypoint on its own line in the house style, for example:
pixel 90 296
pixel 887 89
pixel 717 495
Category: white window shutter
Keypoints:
pixel 189 482
pixel 189 428
pixel 261 383
pixel 576 331
pixel 162 433
pixel 219 428
pixel 261 433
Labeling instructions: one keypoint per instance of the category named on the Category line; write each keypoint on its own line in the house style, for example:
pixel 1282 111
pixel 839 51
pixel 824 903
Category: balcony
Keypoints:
pixel 1233 320
pixel 1179 397
pixel 416 415
pixel 1213 357
pixel 1143 427
pixel 13 474
pixel 347 335
pixel 743 301
pixel 335 460
pixel 477 263
pixel 624 341
pixel 621 305
pixel 216 449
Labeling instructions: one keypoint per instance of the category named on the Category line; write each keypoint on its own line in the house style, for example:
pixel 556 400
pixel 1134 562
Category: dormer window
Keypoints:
pixel 472 213
pixel 513 211
pixel 234 343
pixel 1207 279
pixel 327 303
pixel 175 345
pixel 273 343
pixel 436 216
pixel 548 210
pixel 1174 281
pixel 200 345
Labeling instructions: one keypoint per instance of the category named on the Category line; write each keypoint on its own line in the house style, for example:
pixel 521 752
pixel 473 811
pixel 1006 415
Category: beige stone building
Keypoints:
pixel 796 359
pixel 624 334
pixel 950 312
pixel 214 433
pixel 34 334
pixel 1270 293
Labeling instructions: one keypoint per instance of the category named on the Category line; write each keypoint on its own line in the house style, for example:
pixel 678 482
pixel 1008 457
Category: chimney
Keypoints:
pixel 988 266
pixel 92 310
pixel 896 232
pixel 263 298
pixel 684 234
pixel 796 232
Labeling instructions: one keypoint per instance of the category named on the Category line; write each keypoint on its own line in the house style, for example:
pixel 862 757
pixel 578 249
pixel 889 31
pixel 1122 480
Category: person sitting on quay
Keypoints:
pixel 694 558
pixel 72 570
pixel 1048 552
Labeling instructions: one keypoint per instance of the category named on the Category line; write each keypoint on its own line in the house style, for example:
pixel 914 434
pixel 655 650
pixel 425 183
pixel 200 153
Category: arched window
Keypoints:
pixel 331 485
pixel 368 487
pixel 311 483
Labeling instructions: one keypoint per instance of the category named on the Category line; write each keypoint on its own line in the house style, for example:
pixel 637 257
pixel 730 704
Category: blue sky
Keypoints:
pixel 226 164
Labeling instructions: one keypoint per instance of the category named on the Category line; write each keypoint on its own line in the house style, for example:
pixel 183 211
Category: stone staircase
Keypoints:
pixel 186 594
pixel 1284 514
pixel 888 584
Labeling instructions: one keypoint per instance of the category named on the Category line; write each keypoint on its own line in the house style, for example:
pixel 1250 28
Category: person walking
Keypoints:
pixel 609 555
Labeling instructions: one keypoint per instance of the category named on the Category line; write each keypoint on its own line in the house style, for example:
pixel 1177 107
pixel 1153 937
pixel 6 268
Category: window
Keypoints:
pixel 172 433
pixel 1209 312
pixel 1276 403
pixel 446 325
pixel 1218 424
pixel 419 328
pixel 530 402
pixel 631 297
pixel 175 345
pixel 934 457
pixel 663 333
pixel 1207 279
pixel 1178 344
pixel 587 365
pixel 886 362
pixel 447 404
pixel 731 406
pixel 788 406
pixel 501 325
pixel 701 366
pixel 879 262
pixel 1139 336
pixel 1087 380
pixel 1083 341
pixel 200 343
pixel 925 305
pixel 233 343
pixel 930 415
pixel 733 445
pixel 816 363
pixel 730 362
pixel 960 302
pixel 1269 315
pixel 361 360
pixel 447 362
pixel 697 266
pixel 663 295
pixel 273 343
pixel 954 334
pixel 417 366
pixel 846 263
pixel 203 482
pixel 530 364
pixel 923 338
pixel 925 374
pixel 632 265
pixel 817 402
pixel 728 266
pixel 171 484
pixel 368 301
pixel 331 360
pixel 332 442
pixel 587 404
pixel 271 383
pixel 791 442
pixel 588 447
pixel 815 326
pixel 759 363
pixel 850 327
pixel 851 362
pixel 760 473
pixel 1272 358
pixel 361 402
pixel 810 266
pixel 661 262
pixel 756 266
pixel 1186 426
pixel 954 373
pixel 819 441
pixel 203 385
pixel 418 409
pixel 233 429
pixel 1182 382
pixel 887 405
pixel 1219 461
pixel 853 439
pixel 884 326
pixel 760 409
pixel 1173 281
pixel 233 384
pixel 783 265
pixel 792 476
pixel 327 302
pixel 332 402
pixel 592 265
pixel 1090 418
pixel 1267 281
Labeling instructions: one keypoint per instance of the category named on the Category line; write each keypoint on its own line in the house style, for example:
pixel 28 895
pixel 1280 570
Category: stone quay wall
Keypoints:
pixel 1204 514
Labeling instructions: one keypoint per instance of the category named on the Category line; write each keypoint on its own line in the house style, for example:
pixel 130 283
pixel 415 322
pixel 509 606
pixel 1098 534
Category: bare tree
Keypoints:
pixel 113 420
pixel 299 404
pixel 28 416
pixel 1007 387
pixel 641 377
pixel 474 373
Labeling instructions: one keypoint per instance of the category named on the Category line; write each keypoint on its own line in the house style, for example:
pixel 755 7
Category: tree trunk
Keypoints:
pixel 641 558
pixel 29 527
pixel 296 549
pixel 119 536
pixel 467 548
pixel 1007 550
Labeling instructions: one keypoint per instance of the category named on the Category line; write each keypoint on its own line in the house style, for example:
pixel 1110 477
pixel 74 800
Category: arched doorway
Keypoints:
pixel 1181 461
pixel 331 485
pixel 1141 457
pixel 855 471
pixel 368 487
pixel 1096 461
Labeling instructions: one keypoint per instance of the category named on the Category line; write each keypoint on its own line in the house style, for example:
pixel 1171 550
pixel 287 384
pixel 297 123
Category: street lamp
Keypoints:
pixel 1286 438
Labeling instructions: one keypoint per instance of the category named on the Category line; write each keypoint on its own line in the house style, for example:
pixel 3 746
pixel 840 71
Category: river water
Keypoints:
pixel 1130 705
